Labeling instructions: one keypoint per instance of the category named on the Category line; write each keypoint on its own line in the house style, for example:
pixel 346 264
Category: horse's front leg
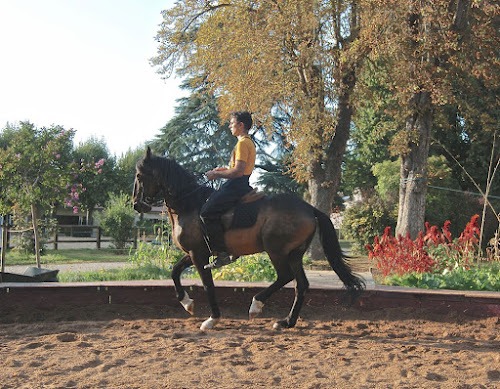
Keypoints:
pixel 200 260
pixel 182 295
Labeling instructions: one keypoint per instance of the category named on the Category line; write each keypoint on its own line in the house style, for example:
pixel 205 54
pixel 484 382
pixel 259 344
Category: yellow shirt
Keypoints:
pixel 244 151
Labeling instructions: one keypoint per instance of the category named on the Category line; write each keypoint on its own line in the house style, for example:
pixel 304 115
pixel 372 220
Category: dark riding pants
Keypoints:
pixel 218 203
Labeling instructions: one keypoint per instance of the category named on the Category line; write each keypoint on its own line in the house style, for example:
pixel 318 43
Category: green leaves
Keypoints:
pixel 250 268
pixel 36 164
pixel 117 219
pixel 482 277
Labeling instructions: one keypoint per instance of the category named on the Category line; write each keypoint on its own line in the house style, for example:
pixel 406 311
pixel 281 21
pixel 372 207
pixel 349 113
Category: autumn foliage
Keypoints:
pixel 433 251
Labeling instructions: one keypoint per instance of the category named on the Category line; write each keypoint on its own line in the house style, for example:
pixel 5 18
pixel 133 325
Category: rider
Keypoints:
pixel 240 167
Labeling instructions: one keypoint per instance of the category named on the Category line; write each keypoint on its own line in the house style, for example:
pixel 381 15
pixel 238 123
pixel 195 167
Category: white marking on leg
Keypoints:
pixel 208 324
pixel 188 303
pixel 255 308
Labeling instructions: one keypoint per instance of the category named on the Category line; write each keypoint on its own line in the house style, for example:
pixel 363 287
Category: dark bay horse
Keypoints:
pixel 284 228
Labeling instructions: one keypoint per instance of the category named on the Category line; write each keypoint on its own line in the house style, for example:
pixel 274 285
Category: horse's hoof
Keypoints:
pixel 188 303
pixel 208 324
pixel 279 325
pixel 255 308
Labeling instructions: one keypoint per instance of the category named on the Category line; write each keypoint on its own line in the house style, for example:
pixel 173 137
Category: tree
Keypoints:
pixel 431 47
pixel 37 171
pixel 97 174
pixel 195 136
pixel 372 129
pixel 268 57
pixel 125 169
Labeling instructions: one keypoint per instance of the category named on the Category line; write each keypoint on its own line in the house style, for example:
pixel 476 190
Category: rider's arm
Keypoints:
pixel 235 172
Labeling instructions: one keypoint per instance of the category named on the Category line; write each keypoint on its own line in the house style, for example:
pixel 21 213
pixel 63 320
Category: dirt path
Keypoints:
pixel 156 347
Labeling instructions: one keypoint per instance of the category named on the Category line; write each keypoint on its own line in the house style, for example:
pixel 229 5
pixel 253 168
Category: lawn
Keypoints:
pixel 84 255
pixel 148 262
pixel 13 257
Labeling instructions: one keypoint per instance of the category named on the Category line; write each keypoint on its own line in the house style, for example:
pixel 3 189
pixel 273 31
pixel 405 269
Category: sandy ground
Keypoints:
pixel 161 347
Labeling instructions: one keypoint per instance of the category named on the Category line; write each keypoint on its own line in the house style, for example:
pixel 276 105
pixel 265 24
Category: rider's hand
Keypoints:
pixel 212 175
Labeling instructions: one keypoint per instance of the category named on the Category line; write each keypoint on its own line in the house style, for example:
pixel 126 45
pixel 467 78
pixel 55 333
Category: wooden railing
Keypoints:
pixel 81 232
pixel 76 234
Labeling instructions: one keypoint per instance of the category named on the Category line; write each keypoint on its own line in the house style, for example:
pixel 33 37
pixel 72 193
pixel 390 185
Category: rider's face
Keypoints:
pixel 237 128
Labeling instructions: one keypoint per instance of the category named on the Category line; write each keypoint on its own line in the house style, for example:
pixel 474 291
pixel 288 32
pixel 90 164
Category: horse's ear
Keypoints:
pixel 148 153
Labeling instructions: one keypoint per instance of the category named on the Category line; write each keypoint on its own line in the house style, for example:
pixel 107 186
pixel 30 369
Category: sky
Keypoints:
pixel 84 65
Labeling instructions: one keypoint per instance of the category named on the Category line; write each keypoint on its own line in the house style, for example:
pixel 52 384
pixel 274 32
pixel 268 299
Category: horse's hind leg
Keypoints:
pixel 301 287
pixel 182 295
pixel 288 268
pixel 285 275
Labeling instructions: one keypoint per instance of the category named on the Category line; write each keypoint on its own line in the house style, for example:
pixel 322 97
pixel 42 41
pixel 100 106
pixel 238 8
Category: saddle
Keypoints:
pixel 244 213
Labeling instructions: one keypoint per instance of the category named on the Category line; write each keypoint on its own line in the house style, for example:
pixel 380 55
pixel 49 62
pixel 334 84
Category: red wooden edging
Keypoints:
pixel 239 295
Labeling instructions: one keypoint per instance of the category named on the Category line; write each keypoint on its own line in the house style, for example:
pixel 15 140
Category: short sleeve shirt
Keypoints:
pixel 244 151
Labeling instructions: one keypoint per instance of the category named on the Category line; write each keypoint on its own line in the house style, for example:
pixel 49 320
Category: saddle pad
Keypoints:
pixel 245 214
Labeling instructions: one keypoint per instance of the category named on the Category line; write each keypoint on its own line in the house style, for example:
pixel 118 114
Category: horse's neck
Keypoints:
pixel 187 220
pixel 179 198
pixel 188 202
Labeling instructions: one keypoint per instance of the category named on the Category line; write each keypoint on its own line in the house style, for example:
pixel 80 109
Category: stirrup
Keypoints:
pixel 222 259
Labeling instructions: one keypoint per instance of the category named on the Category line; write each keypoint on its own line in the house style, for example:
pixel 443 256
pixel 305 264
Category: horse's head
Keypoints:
pixel 146 185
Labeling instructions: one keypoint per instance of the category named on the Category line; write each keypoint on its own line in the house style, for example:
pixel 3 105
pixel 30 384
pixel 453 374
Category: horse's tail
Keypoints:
pixel 335 257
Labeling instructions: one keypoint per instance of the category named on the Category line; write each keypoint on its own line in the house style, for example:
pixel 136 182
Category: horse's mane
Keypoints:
pixel 183 191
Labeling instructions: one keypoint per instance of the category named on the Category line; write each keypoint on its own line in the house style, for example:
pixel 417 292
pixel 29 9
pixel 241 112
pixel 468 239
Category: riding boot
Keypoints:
pixel 215 237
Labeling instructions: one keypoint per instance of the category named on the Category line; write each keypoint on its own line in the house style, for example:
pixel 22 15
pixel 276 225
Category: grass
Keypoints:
pixel 126 274
pixel 249 268
pixel 13 257
pixel 146 263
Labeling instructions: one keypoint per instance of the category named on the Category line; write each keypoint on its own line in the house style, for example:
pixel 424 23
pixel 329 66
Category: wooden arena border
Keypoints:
pixel 57 295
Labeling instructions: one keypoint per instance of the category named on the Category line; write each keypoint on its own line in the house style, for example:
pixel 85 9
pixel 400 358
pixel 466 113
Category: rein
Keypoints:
pixel 194 190
pixel 172 211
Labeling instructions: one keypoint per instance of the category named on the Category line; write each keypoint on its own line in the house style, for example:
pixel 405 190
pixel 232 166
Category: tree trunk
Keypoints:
pixel 34 218
pixel 413 185
pixel 325 177
pixel 4 243
pixel 321 198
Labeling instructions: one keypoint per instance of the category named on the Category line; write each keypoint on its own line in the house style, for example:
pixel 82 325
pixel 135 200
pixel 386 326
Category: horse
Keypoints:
pixel 284 227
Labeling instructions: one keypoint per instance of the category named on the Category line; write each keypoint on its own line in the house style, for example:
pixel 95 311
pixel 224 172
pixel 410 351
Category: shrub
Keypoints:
pixel 486 277
pixel 162 256
pixel 433 252
pixel 457 253
pixel 117 219
pixel 365 220
pixel 25 241
pixel 250 268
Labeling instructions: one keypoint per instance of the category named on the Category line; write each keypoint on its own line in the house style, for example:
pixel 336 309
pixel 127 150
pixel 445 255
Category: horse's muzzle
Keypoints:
pixel 142 207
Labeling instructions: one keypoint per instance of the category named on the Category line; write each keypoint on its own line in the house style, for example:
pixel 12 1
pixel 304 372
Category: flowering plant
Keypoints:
pixel 434 251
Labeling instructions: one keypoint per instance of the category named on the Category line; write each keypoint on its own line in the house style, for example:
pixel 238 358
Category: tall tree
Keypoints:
pixel 267 56
pixel 430 45
pixel 195 136
pixel 199 141
pixel 125 169
pixel 37 171
pixel 97 174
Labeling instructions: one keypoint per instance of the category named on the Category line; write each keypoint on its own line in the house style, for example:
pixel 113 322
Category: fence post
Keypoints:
pixel 98 240
pixel 56 235
pixel 4 243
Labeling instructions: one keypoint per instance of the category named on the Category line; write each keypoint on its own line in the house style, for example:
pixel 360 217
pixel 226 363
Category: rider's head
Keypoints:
pixel 243 117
